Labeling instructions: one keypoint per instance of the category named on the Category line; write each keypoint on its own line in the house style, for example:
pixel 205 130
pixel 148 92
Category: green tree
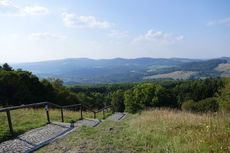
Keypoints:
pixel 118 101
pixel 131 105
pixel 6 67
pixel 143 96
pixel 98 100
pixel 224 96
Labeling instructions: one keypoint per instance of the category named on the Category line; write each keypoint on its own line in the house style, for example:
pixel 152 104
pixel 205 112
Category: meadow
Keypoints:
pixel 156 130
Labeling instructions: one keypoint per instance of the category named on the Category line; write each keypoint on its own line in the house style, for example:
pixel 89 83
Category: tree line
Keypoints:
pixel 18 87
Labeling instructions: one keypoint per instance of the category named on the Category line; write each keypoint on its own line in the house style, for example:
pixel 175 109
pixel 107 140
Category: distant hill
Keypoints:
pixel 84 71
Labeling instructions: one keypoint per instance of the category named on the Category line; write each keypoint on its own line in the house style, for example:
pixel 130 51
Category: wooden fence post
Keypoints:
pixel 81 114
pixel 9 121
pixel 103 113
pixel 112 110
pixel 62 116
pixel 47 113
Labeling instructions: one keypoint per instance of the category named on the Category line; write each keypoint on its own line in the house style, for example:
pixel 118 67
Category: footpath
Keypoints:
pixel 38 137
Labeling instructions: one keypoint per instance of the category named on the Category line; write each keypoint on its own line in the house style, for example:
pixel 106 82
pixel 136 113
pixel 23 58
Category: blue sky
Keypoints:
pixel 36 30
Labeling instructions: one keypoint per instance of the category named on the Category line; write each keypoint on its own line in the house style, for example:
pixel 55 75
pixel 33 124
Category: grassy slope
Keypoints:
pixel 26 119
pixel 151 131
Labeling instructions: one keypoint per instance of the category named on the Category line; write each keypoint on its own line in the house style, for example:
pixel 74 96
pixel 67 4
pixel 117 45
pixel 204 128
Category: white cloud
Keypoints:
pixel 226 20
pixel 211 23
pixel 181 37
pixel 68 19
pixel 158 36
pixel 71 20
pixel 8 3
pixel 117 34
pixel 23 11
pixel 35 10
pixel 221 21
pixel 46 36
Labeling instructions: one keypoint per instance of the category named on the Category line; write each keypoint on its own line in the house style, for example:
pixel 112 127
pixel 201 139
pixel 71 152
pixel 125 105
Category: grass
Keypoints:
pixel 26 119
pixel 158 130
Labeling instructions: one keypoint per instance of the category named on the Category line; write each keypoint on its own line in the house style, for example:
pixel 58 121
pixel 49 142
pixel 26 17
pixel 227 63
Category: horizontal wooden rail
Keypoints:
pixel 22 106
pixel 71 105
pixel 103 108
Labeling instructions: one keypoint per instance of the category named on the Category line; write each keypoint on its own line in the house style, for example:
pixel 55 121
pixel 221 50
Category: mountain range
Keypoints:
pixel 84 71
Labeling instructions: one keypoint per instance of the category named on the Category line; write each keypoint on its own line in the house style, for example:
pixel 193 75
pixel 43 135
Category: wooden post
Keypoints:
pixel 94 115
pixel 62 116
pixel 81 114
pixel 47 113
pixel 9 121
pixel 103 113
pixel 112 110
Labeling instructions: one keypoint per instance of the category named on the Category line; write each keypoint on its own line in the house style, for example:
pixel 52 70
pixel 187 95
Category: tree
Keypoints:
pixel 224 96
pixel 143 96
pixel 6 67
pixel 118 101
pixel 98 100
pixel 57 83
pixel 131 105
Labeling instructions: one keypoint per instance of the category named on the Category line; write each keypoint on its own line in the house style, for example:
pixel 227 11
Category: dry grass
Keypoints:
pixel 225 68
pixel 187 132
pixel 181 75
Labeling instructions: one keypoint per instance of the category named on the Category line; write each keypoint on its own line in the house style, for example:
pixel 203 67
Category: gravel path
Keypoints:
pixel 116 116
pixel 39 137
pixel 88 122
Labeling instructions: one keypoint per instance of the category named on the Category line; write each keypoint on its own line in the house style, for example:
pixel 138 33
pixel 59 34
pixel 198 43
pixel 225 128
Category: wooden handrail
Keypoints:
pixel 8 109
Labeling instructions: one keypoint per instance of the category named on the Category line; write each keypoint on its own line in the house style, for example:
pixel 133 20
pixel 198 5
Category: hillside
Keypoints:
pixel 83 71
pixel 157 130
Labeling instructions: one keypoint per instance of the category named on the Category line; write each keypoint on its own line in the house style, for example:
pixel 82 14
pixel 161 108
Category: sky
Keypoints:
pixel 38 30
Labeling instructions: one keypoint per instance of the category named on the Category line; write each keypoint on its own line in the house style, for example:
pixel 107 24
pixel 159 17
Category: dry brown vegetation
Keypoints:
pixel 224 68
pixel 177 75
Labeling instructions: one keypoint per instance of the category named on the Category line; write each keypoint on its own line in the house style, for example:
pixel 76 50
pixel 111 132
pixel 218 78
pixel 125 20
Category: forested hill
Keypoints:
pixel 83 71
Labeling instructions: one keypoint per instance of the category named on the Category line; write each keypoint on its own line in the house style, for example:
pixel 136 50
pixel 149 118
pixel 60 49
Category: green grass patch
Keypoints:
pixel 151 131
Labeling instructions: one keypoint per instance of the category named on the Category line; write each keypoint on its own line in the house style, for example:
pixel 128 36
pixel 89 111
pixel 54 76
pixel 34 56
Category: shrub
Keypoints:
pixel 189 105
pixel 206 105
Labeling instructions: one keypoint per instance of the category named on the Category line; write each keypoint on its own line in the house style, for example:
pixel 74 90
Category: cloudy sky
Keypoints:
pixel 36 30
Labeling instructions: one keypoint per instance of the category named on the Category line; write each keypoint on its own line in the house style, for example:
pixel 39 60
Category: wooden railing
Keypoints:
pixel 46 104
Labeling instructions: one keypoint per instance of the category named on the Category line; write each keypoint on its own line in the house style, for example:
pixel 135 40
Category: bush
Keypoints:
pixel 189 105
pixel 206 105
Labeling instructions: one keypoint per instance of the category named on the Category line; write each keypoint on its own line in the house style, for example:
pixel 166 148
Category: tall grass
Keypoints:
pixel 167 130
